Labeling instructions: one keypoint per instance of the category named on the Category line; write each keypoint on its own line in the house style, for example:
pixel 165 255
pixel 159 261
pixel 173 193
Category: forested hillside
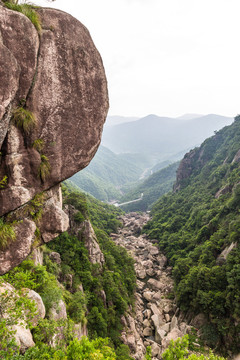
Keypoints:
pixel 93 286
pixel 108 172
pixel 152 189
pixel 198 228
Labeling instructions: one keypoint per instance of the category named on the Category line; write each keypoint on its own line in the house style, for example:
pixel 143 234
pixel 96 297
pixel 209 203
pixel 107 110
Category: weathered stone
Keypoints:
pixel 166 327
pixel 153 250
pixel 58 311
pixel 155 349
pixel 146 323
pixel 89 237
pixel 63 82
pixel 174 323
pixel 141 274
pixel 148 295
pixel 80 330
pixel 20 248
pixel 159 335
pixel 22 335
pixel 167 317
pixel 154 284
pixel 55 257
pixel 37 256
pixel 54 220
pixel 9 78
pixel 155 310
pixel 23 42
pixel 147 331
pixel 156 321
pixel 33 295
pixel 173 335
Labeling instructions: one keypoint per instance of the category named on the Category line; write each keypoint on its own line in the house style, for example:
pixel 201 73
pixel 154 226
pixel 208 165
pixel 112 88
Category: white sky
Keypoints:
pixel 165 57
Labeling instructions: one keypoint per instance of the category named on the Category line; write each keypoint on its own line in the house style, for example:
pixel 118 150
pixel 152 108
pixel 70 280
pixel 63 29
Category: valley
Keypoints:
pixel 156 318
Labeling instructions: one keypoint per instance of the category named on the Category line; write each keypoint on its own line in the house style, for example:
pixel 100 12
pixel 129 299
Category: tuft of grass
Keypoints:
pixel 7 234
pixel 38 144
pixel 3 182
pixel 28 10
pixel 44 168
pixel 24 119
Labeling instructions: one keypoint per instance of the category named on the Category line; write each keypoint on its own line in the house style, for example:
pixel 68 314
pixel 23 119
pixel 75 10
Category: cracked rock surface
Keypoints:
pixel 61 80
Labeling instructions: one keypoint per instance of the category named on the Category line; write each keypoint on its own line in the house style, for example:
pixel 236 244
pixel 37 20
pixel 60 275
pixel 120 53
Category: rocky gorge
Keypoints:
pixel 156 318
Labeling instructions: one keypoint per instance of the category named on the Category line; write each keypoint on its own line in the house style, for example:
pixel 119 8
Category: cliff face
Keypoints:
pixel 57 76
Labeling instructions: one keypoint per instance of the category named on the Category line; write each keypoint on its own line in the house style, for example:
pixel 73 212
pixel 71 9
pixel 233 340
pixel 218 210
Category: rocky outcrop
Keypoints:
pixel 22 334
pixel 157 319
pixel 60 79
pixel 85 232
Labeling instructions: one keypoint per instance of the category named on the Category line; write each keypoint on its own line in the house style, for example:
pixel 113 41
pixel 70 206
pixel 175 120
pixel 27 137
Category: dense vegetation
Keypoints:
pixel 152 189
pixel 195 224
pixel 108 290
pixel 107 173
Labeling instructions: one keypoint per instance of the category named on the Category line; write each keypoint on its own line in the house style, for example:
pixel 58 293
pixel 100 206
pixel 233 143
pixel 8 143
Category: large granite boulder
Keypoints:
pixel 60 79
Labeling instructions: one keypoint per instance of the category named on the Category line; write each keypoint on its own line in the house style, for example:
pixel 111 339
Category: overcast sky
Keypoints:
pixel 165 57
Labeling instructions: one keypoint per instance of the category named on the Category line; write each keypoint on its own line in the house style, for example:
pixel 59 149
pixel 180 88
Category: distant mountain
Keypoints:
pixel 152 189
pixel 162 137
pixel 189 116
pixel 115 120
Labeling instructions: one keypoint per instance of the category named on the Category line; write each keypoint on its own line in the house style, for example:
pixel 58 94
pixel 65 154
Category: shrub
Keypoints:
pixel 44 168
pixel 24 119
pixel 7 234
pixel 28 10
pixel 38 144
pixel 3 182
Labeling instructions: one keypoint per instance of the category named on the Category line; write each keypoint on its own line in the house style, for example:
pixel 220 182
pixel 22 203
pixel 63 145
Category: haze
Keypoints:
pixel 165 57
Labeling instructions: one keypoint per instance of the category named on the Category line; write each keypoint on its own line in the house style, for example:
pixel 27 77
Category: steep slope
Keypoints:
pixel 198 229
pixel 152 189
pixel 107 173
pixel 54 100
pixel 160 135
pixel 86 283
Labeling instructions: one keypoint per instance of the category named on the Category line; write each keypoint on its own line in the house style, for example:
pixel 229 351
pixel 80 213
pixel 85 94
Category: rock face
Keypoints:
pixel 22 335
pixel 156 320
pixel 60 79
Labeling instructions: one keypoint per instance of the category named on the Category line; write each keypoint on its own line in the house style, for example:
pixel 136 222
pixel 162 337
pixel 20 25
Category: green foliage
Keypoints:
pixel 38 144
pixel 155 186
pixel 7 234
pixel 35 278
pixel 26 9
pixel 116 278
pixel 148 353
pixel 194 225
pixel 15 309
pixel 179 350
pixel 44 168
pixel 3 182
pixel 84 349
pixel 23 118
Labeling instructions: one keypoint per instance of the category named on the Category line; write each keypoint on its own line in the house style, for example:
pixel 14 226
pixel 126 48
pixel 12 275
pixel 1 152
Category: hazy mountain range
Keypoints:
pixel 162 137
pixel 132 149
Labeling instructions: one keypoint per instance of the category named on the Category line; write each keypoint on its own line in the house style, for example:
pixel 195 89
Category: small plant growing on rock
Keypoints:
pixel 3 182
pixel 26 9
pixel 24 119
pixel 7 234
pixel 44 168
pixel 38 145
